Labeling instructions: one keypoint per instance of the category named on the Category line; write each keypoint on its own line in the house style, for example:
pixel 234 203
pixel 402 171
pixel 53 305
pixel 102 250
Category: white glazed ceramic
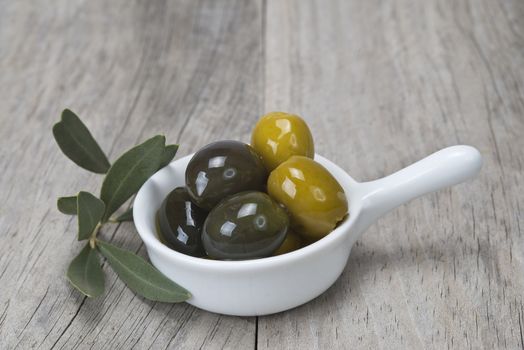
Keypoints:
pixel 274 284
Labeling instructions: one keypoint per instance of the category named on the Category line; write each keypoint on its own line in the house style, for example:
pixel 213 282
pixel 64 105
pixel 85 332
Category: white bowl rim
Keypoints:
pixel 150 239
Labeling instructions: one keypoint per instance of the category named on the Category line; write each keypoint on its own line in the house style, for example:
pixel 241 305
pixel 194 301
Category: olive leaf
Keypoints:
pixel 67 205
pixel 168 155
pixel 125 216
pixel 141 277
pixel 129 172
pixel 90 212
pixel 77 143
pixel 85 273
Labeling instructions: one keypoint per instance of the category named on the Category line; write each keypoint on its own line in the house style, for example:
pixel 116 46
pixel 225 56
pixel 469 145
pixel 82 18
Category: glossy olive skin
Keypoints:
pixel 247 225
pixel 221 169
pixel 180 223
pixel 277 136
pixel 313 197
pixel 291 242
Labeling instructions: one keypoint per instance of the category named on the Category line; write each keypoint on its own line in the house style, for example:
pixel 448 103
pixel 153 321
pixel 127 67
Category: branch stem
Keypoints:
pixel 92 239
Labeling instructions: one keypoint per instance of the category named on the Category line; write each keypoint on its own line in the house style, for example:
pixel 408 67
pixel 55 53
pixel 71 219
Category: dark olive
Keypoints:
pixel 221 169
pixel 180 223
pixel 247 225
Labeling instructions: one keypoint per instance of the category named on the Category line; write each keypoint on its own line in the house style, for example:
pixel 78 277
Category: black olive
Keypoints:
pixel 180 222
pixel 247 225
pixel 221 169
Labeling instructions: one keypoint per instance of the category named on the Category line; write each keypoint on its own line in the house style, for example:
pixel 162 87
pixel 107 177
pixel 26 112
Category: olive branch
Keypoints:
pixel 123 178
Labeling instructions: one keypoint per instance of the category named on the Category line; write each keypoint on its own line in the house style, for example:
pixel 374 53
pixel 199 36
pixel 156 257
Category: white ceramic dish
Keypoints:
pixel 274 284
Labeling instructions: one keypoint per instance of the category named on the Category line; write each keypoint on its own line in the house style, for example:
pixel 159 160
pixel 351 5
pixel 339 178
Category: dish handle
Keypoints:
pixel 447 167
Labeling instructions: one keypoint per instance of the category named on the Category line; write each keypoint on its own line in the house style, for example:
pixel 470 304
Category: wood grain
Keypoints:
pixel 382 84
pixel 189 70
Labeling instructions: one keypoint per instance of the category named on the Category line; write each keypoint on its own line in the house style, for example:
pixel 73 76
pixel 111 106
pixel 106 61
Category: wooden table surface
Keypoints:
pixel 381 83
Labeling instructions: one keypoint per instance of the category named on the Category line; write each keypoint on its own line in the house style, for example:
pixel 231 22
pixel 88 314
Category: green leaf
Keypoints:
pixel 67 205
pixel 125 216
pixel 129 172
pixel 75 140
pixel 141 277
pixel 168 155
pixel 90 212
pixel 85 273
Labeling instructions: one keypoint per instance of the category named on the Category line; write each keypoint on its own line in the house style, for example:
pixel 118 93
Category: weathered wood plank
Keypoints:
pixel 383 84
pixel 192 71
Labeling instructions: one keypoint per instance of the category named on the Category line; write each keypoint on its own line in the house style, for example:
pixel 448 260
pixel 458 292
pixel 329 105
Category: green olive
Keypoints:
pixel 278 136
pixel 221 169
pixel 247 225
pixel 180 223
pixel 314 199
pixel 291 242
